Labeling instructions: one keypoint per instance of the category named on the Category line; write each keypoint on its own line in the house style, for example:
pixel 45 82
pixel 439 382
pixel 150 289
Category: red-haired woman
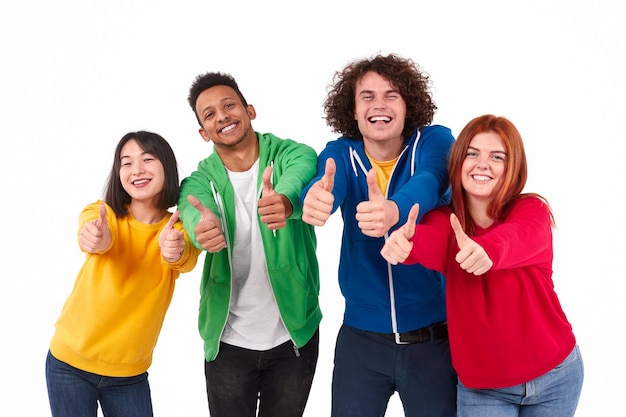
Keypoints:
pixel 511 343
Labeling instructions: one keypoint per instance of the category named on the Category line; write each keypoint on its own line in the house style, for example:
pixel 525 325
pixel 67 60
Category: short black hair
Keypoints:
pixel 211 79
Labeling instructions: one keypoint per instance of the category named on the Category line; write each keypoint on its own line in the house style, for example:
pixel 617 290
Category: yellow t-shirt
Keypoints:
pixel 383 171
pixel 110 323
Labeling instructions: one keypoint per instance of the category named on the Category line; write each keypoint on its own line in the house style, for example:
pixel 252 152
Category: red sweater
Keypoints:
pixel 507 326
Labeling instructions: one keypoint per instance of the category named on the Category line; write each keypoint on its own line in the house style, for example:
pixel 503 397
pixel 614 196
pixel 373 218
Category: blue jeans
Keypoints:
pixel 278 379
pixel 554 394
pixel 369 369
pixel 76 393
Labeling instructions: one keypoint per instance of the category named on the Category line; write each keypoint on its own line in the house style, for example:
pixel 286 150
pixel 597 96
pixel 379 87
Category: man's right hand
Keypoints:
pixel 208 230
pixel 318 202
pixel 398 245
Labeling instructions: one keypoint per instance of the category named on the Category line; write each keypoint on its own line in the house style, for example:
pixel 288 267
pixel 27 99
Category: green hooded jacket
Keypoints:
pixel 290 252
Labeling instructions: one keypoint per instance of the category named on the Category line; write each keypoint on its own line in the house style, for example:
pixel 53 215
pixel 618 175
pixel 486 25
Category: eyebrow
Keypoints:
pixel 391 91
pixel 141 154
pixel 477 149
pixel 227 98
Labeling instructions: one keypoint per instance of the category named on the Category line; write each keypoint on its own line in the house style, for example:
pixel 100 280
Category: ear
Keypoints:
pixel 204 135
pixel 251 112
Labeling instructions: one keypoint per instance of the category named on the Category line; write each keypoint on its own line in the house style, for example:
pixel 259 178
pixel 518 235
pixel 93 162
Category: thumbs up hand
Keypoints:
pixel 273 208
pixel 318 202
pixel 376 215
pixel 95 235
pixel 171 240
pixel 208 230
pixel 471 256
pixel 398 245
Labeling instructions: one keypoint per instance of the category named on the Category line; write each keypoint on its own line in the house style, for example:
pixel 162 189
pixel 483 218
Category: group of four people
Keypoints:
pixel 445 263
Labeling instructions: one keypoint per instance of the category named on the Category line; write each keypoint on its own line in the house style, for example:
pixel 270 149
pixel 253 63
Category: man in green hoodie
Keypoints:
pixel 259 310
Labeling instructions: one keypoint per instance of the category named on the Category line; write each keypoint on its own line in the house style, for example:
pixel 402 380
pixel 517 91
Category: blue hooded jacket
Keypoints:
pixel 381 297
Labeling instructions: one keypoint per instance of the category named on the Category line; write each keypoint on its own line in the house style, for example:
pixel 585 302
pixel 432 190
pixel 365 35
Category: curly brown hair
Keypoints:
pixel 403 73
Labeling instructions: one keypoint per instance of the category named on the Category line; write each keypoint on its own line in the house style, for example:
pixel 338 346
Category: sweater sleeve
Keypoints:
pixel 197 184
pixel 339 151
pixel 293 169
pixel 431 240
pixel 523 239
pixel 429 183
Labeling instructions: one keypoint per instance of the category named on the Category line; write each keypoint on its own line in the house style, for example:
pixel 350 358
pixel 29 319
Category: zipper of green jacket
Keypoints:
pixel 295 348
pixel 261 188
pixel 220 207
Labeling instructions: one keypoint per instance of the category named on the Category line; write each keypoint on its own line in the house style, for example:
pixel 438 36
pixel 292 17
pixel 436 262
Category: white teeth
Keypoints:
pixel 380 119
pixel 228 128
pixel 139 182
pixel 481 177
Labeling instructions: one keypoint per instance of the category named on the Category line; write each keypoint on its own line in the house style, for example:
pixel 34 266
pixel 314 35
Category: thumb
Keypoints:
pixel 328 180
pixel 205 213
pixel 268 188
pixel 102 220
pixel 409 226
pixel 197 205
pixel 168 228
pixel 461 236
pixel 173 218
pixel 373 190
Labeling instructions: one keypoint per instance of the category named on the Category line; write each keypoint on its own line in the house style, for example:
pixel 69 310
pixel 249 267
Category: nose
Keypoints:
pixel 482 163
pixel 223 116
pixel 379 103
pixel 138 169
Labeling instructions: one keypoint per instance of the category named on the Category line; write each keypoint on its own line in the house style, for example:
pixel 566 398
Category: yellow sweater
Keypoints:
pixel 110 323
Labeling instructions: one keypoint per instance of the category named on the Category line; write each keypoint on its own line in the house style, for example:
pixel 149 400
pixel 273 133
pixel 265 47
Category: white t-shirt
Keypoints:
pixel 253 318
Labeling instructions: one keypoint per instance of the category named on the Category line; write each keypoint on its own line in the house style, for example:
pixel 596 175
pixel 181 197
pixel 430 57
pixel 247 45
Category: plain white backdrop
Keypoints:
pixel 78 74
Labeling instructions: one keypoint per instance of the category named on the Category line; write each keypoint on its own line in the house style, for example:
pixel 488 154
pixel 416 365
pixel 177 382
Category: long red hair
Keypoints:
pixel 515 170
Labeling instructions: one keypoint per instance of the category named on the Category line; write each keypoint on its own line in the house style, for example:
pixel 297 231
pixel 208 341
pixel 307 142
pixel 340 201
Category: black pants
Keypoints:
pixel 370 368
pixel 278 380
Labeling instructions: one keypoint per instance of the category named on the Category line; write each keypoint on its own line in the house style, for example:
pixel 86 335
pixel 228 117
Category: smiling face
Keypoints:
pixel 380 112
pixel 141 173
pixel 225 120
pixel 483 167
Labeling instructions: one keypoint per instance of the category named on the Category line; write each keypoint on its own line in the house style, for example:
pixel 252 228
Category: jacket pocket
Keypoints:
pixel 297 300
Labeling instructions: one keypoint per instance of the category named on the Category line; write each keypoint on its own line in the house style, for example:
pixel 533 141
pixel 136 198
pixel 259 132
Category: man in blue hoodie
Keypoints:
pixel 394 334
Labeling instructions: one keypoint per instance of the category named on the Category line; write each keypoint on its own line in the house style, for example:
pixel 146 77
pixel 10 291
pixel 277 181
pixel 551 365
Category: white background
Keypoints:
pixel 78 74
